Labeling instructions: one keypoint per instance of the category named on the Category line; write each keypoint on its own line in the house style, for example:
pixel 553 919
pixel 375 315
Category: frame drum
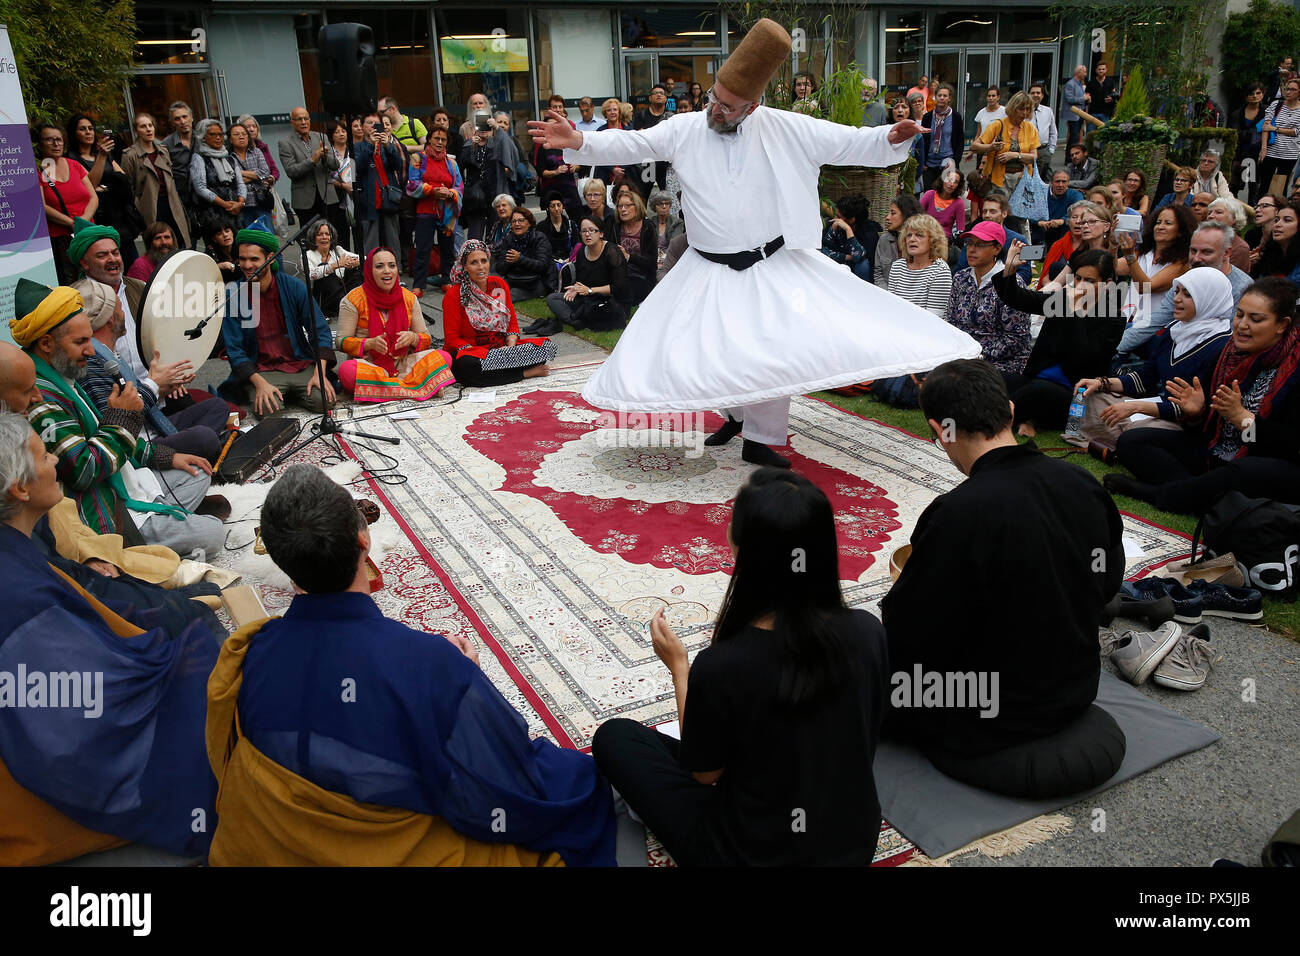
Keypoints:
pixel 181 309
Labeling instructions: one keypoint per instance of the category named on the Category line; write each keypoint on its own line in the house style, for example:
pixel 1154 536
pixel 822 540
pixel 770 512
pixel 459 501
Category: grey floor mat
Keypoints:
pixel 940 814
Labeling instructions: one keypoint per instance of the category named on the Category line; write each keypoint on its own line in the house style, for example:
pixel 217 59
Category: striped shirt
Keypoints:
pixel 1284 146
pixel 928 287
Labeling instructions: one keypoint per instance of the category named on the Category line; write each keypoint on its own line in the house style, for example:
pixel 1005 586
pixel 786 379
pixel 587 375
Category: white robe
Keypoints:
pixel 710 336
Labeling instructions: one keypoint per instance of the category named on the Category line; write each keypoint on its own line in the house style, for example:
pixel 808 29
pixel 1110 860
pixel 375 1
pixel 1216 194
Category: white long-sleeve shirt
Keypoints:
pixel 741 190
pixel 1045 123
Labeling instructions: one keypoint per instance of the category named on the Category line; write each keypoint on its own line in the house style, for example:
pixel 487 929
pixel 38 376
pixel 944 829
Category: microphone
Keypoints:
pixel 114 371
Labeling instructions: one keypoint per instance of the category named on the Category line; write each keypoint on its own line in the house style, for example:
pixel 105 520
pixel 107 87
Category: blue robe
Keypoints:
pixel 139 770
pixel 372 709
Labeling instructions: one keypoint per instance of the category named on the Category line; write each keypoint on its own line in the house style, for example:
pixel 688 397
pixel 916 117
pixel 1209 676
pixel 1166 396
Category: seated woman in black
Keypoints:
pixel 1186 348
pixel 560 231
pixel 638 241
pixel 523 258
pixel 1241 427
pixel 591 300
pixel 779 730
pixel 1070 346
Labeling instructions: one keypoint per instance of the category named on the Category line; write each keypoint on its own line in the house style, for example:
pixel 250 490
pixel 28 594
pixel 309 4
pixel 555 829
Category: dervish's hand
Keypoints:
pixel 904 130
pixel 554 132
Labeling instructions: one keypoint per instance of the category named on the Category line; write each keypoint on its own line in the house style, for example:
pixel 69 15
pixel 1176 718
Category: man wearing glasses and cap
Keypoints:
pixel 756 313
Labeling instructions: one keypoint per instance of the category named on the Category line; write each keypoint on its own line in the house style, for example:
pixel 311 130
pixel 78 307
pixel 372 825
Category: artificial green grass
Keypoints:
pixel 1279 616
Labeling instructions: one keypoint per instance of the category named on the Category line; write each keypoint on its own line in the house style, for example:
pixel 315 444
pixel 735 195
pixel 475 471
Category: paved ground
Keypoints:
pixel 1223 801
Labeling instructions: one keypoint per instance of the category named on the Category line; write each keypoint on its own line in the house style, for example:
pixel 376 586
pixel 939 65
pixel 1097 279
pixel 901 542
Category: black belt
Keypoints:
pixel 740 261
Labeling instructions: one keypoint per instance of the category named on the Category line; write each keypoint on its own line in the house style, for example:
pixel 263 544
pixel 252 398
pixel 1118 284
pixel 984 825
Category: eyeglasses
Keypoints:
pixel 518 222
pixel 1180 179
pixel 589 232
pixel 727 110
pixel 1259 206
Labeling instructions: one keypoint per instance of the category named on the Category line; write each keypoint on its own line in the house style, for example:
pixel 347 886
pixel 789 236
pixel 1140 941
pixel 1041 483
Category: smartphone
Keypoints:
pixel 1128 222
pixel 1031 253
pixel 483 121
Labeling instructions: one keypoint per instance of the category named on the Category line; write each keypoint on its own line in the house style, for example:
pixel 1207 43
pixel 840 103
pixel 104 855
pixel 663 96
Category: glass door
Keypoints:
pixel 639 75
pixel 1012 69
pixel 968 70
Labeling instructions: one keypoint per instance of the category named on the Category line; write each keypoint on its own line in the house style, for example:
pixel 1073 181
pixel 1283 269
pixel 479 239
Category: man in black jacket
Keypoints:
pixel 1101 94
pixel 1007 580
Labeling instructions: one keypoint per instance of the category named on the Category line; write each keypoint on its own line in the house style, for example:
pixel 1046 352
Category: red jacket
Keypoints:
pixel 461 337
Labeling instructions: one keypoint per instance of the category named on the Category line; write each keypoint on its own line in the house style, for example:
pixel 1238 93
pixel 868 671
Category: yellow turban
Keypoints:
pixel 41 309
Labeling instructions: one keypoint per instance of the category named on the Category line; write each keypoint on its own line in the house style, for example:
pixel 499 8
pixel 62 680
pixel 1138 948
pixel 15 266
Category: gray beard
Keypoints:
pixel 721 126
pixel 67 367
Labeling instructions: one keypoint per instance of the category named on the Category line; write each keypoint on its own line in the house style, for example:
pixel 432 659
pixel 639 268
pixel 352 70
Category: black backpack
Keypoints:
pixel 1264 535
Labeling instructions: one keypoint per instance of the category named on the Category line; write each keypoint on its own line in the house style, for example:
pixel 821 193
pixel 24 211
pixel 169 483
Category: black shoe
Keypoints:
pixel 729 430
pixel 756 453
pixel 545 327
pixel 1220 600
pixel 1118 484
pixel 1154 611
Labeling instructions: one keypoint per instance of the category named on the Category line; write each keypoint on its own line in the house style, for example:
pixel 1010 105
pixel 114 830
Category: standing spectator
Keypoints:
pixel 249 122
pixel 68 194
pixel 436 183
pixel 587 110
pixel 976 308
pixel 804 89
pixel 555 175
pixel 922 87
pixel 410 134
pixel 639 243
pixel 485 178
pixel 219 189
pixel 512 157
pixel 945 137
pixel 901 210
pixel 159 246
pixel 258 181
pixel 1074 93
pixel 992 110
pixel 523 259
pixel 1209 178
pixel 615 176
pixel 378 189
pixel 1101 94
pixel 922 276
pixel 873 110
pixel 698 97
pixel 1265 212
pixel 1010 146
pixel 116 201
pixel 307 158
pixel 945 203
pixel 1247 121
pixel 342 214
pixel 1161 258
pixel 667 225
pixel 840 241
pixel 180 147
pixel 1083 169
pixel 1060 197
pixel 1284 71
pixel 441 119
pixel 1045 122
pixel 1134 191
pixel 1231 213
pixel 1280 141
pixel 149 170
pixel 648 118
pixel 995 210
pixel 478 103
pixel 560 231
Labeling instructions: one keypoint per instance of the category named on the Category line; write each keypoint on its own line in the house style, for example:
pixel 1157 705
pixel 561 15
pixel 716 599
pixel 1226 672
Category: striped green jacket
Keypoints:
pixel 86 462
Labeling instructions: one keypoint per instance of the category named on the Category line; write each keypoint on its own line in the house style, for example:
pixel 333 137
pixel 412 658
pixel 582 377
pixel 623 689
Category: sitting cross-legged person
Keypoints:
pixel 102 743
pixel 592 300
pixel 121 482
pixel 481 328
pixel 1005 590
pixel 341 738
pixel 1241 425
pixel 265 331
pixel 780 725
pixel 382 328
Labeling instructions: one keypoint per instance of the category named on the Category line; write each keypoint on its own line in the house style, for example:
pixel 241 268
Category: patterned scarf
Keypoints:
pixel 487 313
pixel 1242 367
pixel 394 303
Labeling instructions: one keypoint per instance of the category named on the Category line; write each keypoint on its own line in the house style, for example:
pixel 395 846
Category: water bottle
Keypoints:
pixel 1077 407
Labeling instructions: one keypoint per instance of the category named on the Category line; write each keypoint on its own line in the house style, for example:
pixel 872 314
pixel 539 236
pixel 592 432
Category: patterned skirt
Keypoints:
pixel 526 353
pixel 420 376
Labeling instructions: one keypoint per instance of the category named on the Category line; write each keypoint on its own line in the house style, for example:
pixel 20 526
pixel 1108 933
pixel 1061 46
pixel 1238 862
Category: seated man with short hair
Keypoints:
pixel 265 329
pixel 1006 583
pixel 101 708
pixel 342 738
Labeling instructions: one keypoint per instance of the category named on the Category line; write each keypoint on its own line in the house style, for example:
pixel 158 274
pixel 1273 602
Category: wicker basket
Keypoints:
pixel 1118 158
pixel 879 186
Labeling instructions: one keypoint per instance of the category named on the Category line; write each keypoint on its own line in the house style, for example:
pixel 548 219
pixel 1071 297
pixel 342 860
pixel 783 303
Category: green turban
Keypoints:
pixel 85 234
pixel 260 237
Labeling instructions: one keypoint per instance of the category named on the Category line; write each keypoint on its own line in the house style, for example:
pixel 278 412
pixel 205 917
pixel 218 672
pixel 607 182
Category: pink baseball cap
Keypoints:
pixel 988 232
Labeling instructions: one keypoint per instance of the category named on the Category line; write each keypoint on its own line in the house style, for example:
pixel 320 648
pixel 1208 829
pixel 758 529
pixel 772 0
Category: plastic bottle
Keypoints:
pixel 1077 409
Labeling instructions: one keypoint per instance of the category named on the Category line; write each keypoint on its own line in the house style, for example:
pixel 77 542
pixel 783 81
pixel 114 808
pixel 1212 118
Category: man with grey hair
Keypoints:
pixel 1232 214
pixel 406 720
pixel 1074 93
pixel 1210 248
pixel 310 162
pixel 873 111
pixel 180 149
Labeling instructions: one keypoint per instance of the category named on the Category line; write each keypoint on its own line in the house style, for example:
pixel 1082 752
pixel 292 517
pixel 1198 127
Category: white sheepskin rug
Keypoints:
pixel 245 511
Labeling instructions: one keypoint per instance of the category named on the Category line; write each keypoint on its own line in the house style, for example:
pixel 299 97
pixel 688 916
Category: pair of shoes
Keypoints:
pixel 1221 570
pixel 1188 664
pixel 756 453
pixel 1220 600
pixel 1118 484
pixel 1155 611
pixel 729 430
pixel 419 293
pixel 1187 605
pixel 1174 658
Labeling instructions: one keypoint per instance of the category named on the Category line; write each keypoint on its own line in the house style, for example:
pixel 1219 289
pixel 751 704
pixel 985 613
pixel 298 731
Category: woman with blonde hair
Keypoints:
pixel 149 168
pixel 617 115
pixel 1010 147
pixel 921 274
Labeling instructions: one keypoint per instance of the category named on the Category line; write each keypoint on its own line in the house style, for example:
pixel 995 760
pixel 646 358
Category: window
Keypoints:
pixel 166 35
pixel 669 27
pixel 403 57
pixel 904 35
pixel 1028 26
pixel 969 24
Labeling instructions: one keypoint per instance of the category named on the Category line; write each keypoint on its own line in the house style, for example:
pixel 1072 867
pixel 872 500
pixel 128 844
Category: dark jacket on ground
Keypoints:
pixel 1009 573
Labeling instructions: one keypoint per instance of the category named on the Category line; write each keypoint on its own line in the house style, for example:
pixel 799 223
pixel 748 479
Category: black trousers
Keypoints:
pixel 469 371
pixel 1042 403
pixel 427 232
pixel 200 427
pixel 1189 482
pixel 1271 167
pixel 588 312
pixel 642 766
pixel 638 287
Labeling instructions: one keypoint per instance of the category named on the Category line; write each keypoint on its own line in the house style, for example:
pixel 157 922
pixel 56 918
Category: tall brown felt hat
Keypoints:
pixel 749 68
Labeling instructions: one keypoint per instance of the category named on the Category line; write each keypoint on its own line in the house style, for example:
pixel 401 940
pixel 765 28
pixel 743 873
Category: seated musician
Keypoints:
pixel 382 328
pixel 340 737
pixel 107 745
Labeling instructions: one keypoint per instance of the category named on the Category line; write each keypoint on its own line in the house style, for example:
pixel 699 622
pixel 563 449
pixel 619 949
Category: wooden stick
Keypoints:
pixel 1088 116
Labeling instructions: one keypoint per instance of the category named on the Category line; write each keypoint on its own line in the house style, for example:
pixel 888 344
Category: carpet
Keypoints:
pixel 941 815
pixel 549 533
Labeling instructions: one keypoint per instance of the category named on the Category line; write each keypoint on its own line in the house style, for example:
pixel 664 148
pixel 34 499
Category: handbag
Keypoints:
pixel 1029 201
pixel 1263 534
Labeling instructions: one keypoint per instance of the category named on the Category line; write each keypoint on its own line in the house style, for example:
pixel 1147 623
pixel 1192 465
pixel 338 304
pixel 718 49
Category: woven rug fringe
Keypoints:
pixel 1005 842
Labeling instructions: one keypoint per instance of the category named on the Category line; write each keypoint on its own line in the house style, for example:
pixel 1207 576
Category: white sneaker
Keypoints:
pixel 1137 653
pixel 1188 664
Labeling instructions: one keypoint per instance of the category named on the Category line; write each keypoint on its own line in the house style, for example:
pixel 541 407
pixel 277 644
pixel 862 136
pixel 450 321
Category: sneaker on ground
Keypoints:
pixel 1188 664
pixel 1220 600
pixel 1187 606
pixel 1136 654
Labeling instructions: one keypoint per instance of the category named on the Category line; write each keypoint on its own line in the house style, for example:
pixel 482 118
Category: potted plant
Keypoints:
pixel 1134 139
pixel 840 99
